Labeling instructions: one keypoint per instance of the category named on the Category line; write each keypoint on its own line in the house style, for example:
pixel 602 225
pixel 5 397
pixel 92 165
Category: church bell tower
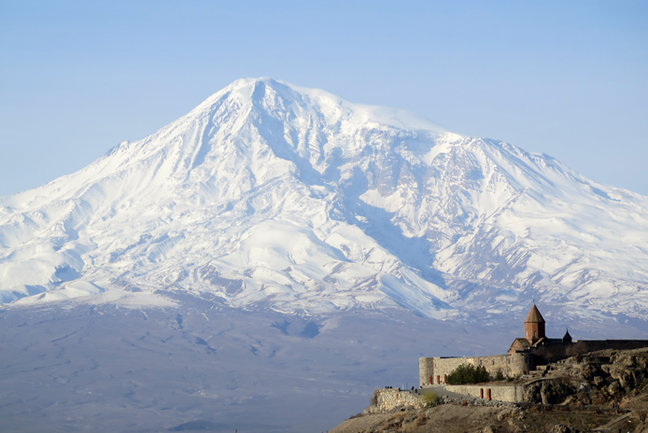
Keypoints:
pixel 534 325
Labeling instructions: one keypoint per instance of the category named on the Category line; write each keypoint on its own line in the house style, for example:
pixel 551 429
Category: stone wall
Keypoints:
pixel 584 346
pixel 554 352
pixel 501 392
pixel 519 363
pixel 426 370
pixel 436 370
pixel 387 399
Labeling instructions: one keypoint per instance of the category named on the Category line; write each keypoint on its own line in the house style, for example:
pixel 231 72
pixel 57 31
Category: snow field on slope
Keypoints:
pixel 270 194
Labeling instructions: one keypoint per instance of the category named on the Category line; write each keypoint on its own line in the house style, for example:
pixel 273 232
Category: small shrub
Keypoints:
pixel 413 425
pixel 429 398
pixel 467 373
pixel 499 375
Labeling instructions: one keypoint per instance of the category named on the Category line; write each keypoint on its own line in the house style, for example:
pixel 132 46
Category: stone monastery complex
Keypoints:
pixel 524 364
pixel 525 354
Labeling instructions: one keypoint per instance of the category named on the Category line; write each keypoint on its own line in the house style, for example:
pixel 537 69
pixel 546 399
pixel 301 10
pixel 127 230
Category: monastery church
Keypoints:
pixel 524 354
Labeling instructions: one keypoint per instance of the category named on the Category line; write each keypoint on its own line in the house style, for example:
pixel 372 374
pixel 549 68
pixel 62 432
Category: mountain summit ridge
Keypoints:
pixel 278 196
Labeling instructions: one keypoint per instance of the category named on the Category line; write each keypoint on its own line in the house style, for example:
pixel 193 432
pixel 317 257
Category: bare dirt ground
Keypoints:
pixel 453 418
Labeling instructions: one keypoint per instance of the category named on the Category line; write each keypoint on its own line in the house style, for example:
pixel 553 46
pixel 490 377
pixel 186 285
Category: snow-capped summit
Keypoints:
pixel 269 194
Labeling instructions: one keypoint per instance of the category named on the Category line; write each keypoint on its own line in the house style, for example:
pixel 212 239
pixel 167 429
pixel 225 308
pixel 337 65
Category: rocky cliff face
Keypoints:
pixel 597 378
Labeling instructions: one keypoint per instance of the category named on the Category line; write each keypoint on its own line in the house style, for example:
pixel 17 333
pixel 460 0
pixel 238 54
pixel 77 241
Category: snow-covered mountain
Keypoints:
pixel 272 195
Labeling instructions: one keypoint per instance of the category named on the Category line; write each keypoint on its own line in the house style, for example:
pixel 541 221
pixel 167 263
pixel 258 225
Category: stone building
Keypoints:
pixel 524 354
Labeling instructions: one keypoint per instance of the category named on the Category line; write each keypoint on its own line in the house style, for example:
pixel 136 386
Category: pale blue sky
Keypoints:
pixel 567 78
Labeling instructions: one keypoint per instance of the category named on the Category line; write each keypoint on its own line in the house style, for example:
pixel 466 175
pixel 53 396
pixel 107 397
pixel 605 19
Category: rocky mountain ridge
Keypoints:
pixel 269 195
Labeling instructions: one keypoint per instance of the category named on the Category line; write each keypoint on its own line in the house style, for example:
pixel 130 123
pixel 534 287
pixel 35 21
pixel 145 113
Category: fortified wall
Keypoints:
pixel 435 371
pixel 524 354
pixel 387 399
pixel 512 392
pixel 554 352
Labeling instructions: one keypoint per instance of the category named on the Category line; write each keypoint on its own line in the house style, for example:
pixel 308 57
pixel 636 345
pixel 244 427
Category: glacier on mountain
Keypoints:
pixel 276 196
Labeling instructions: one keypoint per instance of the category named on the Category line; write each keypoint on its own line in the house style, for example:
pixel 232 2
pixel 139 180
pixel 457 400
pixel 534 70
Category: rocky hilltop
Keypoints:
pixel 601 391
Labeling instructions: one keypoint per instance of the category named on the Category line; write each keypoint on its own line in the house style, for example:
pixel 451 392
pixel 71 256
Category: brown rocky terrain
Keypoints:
pixel 603 391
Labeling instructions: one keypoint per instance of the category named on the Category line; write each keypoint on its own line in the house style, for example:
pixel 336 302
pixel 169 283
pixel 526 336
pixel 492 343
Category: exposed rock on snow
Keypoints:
pixel 268 194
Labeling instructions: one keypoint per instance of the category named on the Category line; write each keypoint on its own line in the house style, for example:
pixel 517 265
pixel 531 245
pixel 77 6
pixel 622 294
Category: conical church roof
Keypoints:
pixel 534 316
pixel 567 338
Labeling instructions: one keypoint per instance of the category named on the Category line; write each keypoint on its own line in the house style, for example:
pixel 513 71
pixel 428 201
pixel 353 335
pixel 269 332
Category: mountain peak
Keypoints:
pixel 252 82
pixel 245 88
pixel 274 195
pixel 276 96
